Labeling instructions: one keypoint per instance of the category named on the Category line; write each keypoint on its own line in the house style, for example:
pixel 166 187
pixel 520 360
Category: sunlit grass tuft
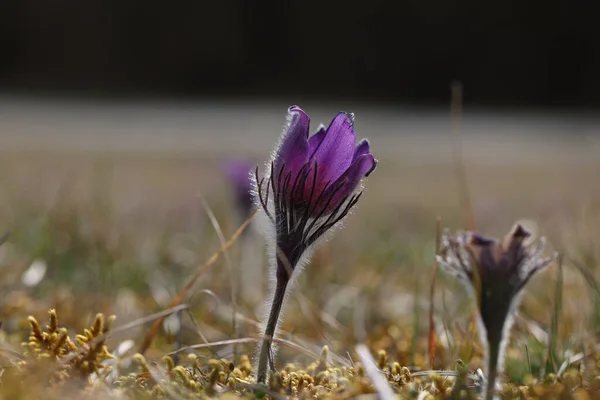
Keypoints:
pixel 128 246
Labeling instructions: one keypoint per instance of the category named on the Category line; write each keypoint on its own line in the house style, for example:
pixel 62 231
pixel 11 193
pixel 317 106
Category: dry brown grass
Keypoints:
pixel 122 230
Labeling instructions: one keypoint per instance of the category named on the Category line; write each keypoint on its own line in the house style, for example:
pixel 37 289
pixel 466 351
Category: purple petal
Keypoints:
pixel 315 141
pixel 362 149
pixel 363 166
pixel 293 150
pixel 334 154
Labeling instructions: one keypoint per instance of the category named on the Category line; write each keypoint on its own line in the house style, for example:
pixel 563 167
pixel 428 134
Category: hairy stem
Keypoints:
pixel 492 368
pixel 265 356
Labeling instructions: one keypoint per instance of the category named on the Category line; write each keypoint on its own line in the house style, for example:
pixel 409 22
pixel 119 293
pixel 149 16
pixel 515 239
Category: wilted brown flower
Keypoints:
pixel 494 273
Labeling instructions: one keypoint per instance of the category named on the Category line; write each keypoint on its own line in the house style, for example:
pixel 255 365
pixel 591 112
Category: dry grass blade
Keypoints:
pixel 416 321
pixel 11 355
pixel 302 343
pixel 214 344
pixel 459 164
pixel 576 358
pixel 381 384
pixel 461 178
pixel 247 340
pixel 440 372
pixel 315 313
pixel 589 277
pixel 529 369
pixel 179 299
pixel 219 231
pixel 551 361
pixel 431 337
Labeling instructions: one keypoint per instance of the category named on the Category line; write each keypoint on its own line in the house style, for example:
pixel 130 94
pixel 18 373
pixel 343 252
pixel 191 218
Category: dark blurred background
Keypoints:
pixel 506 53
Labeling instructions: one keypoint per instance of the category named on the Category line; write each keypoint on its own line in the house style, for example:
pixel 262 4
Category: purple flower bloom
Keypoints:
pixel 494 273
pixel 311 182
pixel 310 185
pixel 239 173
pixel 325 169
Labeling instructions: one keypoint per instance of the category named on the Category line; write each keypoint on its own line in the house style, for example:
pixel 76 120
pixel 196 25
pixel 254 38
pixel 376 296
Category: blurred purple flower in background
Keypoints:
pixel 250 261
pixel 495 274
pixel 309 186
pixel 239 173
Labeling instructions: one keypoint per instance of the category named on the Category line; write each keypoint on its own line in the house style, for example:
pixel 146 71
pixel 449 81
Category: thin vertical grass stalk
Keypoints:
pixel 459 162
pixel 551 359
pixel 188 287
pixel 431 342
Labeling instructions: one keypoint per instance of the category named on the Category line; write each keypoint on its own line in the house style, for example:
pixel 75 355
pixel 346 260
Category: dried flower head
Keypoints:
pixel 495 273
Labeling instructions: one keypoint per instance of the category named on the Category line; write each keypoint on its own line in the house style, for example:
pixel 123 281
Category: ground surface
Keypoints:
pixel 107 196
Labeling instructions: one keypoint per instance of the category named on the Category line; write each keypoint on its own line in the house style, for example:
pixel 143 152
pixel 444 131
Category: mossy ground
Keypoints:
pixel 121 234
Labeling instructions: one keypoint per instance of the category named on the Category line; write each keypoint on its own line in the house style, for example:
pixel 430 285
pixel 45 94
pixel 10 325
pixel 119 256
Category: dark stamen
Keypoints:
pixel 526 279
pixel 283 207
pixel 463 265
pixel 330 222
pixel 298 179
pixel 297 221
pixel 311 209
pixel 264 201
pixel 323 209
pixel 312 192
pixel 276 191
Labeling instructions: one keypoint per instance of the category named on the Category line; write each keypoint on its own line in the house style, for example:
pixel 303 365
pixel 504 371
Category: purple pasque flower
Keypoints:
pixel 311 183
pixel 495 274
pixel 239 173
pixel 309 186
